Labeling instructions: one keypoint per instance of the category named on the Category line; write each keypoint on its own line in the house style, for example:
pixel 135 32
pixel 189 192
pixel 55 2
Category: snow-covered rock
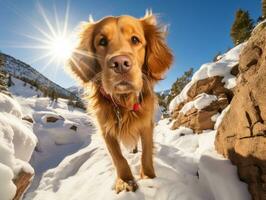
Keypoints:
pixel 17 143
pixel 9 105
pixel 201 101
pixel 221 68
pixel 209 92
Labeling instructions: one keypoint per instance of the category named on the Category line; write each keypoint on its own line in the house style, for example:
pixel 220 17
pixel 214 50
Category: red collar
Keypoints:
pixel 135 107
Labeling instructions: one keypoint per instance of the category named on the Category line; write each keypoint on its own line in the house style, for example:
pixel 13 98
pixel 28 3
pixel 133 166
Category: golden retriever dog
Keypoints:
pixel 118 61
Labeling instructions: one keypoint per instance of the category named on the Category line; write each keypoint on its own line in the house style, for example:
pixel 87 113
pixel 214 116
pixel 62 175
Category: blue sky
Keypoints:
pixel 198 28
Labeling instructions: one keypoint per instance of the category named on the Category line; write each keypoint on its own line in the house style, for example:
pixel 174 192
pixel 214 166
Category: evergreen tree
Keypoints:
pixel 242 27
pixel 177 87
pixel 179 84
pixel 263 16
pixel 44 91
pixel 3 75
pixel 215 58
pixel 9 82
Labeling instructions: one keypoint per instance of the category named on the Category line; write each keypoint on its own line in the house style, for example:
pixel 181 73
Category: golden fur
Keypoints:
pixel 150 58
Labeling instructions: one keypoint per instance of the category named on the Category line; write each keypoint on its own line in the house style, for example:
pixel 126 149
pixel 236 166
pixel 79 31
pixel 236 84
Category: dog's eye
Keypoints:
pixel 103 42
pixel 135 40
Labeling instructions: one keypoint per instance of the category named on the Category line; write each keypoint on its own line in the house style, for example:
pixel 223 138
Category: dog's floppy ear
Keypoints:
pixel 158 55
pixel 82 62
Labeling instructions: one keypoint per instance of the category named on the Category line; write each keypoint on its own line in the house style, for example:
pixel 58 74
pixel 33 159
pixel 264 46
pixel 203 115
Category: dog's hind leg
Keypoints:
pixel 147 170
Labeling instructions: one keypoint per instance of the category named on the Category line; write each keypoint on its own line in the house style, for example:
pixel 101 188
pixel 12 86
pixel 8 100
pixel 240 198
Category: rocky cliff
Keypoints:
pixel 241 137
pixel 229 95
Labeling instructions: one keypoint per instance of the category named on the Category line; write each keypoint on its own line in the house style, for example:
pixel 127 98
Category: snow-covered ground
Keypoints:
pixel 69 130
pixel 186 165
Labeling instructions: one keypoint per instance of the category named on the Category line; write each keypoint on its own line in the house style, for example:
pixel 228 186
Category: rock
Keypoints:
pixel 53 119
pixel 235 70
pixel 74 128
pixel 212 85
pixel 241 136
pixel 27 118
pixel 22 182
pixel 199 120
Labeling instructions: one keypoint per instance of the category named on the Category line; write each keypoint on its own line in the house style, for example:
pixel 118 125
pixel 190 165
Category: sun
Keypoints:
pixel 54 39
pixel 61 47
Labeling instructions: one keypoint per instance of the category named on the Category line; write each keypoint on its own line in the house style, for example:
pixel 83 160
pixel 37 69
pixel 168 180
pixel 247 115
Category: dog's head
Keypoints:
pixel 119 52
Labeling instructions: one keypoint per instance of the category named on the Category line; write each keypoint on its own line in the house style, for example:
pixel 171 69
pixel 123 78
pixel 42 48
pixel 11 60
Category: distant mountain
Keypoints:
pixel 78 91
pixel 164 92
pixel 25 72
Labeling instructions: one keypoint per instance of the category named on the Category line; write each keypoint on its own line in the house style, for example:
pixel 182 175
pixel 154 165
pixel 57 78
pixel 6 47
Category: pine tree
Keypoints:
pixel 242 27
pixel 3 75
pixel 263 5
pixel 217 55
pixel 179 84
pixel 177 87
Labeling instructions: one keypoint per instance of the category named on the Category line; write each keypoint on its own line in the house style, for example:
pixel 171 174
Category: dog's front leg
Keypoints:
pixel 147 170
pixel 125 180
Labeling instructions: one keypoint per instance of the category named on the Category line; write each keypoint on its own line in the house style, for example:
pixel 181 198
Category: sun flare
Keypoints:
pixel 61 47
pixel 54 40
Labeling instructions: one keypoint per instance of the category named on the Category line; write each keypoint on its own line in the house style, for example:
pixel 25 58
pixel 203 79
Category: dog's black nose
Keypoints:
pixel 120 64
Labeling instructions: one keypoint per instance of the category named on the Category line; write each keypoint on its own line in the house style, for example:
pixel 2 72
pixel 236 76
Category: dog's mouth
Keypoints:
pixel 124 87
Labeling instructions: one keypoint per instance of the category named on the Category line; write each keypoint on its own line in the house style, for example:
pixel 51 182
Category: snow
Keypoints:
pixel 186 166
pixel 221 68
pixel 201 101
pixel 258 25
pixel 19 89
pixel 9 105
pixel 8 188
pixel 20 69
pixel 215 117
pixel 220 177
pixel 220 117
pixel 56 139
pixel 17 143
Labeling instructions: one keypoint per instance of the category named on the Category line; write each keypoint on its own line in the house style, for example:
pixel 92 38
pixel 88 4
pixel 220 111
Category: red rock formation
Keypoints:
pixel 241 136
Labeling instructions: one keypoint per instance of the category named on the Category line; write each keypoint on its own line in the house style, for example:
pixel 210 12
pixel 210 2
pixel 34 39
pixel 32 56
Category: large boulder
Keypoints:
pixel 241 136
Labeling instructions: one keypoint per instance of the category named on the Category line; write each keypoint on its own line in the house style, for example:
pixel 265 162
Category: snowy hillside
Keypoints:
pixel 21 70
pixel 20 88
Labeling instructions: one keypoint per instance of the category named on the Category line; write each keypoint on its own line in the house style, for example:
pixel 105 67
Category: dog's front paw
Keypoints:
pixel 129 185
pixel 148 174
